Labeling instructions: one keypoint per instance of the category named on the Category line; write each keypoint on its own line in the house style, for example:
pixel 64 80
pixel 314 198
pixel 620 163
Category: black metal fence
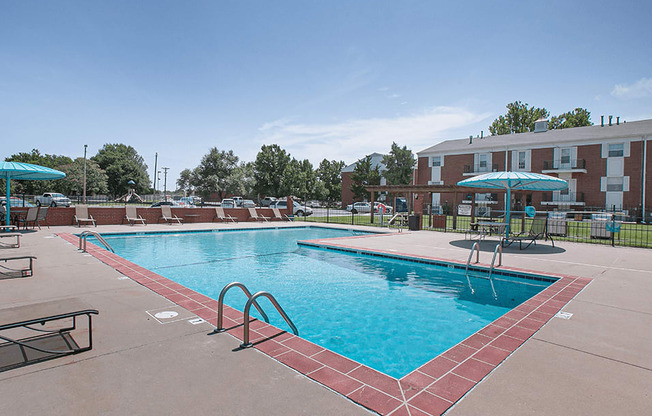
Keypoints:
pixel 608 227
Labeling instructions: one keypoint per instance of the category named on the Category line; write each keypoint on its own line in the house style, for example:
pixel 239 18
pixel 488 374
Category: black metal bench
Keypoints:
pixel 24 272
pixel 29 316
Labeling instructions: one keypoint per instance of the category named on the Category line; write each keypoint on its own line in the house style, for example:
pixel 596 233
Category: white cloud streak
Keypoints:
pixel 353 139
pixel 640 89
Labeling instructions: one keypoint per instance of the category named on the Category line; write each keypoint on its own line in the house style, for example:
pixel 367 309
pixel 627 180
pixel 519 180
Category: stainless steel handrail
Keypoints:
pixel 220 305
pixel 245 338
pixel 84 235
pixel 497 250
pixel 475 247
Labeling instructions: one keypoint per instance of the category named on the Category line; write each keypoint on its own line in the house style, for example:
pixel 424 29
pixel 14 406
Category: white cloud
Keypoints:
pixel 351 140
pixel 640 89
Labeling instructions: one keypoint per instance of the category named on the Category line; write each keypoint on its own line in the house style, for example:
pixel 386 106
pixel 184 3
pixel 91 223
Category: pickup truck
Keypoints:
pixel 51 199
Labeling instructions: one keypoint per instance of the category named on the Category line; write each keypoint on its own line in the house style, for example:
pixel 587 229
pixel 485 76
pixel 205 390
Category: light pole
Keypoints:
pixel 85 147
pixel 165 184
pixel 155 164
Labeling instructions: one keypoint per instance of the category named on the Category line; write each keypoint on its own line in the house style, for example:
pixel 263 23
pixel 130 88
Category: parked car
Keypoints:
pixel 159 203
pixel 267 201
pixel 314 204
pixel 228 203
pixel 401 205
pixel 248 203
pixel 359 207
pixel 237 200
pixel 299 210
pixel 186 201
pixel 388 208
pixel 51 199
pixel 15 202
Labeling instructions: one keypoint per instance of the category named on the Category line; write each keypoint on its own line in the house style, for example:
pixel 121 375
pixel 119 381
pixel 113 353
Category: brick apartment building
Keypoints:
pixel 606 165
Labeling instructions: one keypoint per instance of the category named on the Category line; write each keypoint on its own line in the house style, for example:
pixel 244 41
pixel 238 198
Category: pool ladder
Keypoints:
pixel 475 248
pixel 84 235
pixel 251 301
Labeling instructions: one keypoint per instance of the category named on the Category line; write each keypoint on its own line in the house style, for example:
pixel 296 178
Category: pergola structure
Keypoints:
pixel 410 190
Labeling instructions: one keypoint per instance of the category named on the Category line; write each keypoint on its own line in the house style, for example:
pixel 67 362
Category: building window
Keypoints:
pixel 436 161
pixel 521 160
pixel 615 184
pixel 565 156
pixel 616 150
pixel 482 159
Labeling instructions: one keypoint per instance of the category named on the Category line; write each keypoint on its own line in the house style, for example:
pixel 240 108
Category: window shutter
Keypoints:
pixel 603 184
pixel 626 183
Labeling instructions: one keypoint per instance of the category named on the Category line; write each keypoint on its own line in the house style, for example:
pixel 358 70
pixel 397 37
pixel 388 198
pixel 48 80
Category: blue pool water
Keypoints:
pixel 389 314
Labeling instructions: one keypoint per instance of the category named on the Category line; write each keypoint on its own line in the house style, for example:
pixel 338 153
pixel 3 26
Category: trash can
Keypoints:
pixel 439 221
pixel 414 222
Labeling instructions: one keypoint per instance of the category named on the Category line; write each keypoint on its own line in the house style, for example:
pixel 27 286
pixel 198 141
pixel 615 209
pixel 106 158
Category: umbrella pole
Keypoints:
pixel 7 220
pixel 509 198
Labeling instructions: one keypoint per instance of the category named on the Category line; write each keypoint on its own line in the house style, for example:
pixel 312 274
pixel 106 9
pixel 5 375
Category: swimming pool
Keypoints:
pixel 389 314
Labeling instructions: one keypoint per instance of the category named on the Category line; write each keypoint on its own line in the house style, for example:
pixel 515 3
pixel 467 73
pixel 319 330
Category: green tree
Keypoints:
pixel 399 164
pixel 271 162
pixel 299 179
pixel 242 181
pixel 214 172
pixel 330 180
pixel 520 118
pixel 122 164
pixel 36 158
pixel 364 174
pixel 186 181
pixel 73 183
pixel 579 117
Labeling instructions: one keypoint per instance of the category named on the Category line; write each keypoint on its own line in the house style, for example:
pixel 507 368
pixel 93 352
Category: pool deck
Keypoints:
pixel 597 362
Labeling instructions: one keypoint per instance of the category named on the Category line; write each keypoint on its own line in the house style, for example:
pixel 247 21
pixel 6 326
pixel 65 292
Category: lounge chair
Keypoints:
pixel 48 343
pixel 32 215
pixel 166 214
pixel 538 231
pixel 23 271
pixel 132 216
pixel 279 216
pixel 220 215
pixel 82 216
pixel 42 216
pixel 10 235
pixel 253 215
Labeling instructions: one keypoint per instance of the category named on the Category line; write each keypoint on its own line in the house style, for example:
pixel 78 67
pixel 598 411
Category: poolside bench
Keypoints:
pixel 19 352
pixel 24 272
pixel 14 245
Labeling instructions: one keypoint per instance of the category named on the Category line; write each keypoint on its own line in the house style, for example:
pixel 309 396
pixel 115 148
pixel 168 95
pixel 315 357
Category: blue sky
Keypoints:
pixel 323 79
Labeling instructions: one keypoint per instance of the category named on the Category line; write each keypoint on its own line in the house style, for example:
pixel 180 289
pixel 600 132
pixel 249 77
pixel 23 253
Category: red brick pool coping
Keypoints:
pixel 429 390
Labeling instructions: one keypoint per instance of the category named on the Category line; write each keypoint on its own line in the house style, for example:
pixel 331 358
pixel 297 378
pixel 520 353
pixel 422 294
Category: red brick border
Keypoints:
pixel 429 390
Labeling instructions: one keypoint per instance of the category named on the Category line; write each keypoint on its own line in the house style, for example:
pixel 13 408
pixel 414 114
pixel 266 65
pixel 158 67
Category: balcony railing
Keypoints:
pixel 564 164
pixel 559 198
pixel 481 168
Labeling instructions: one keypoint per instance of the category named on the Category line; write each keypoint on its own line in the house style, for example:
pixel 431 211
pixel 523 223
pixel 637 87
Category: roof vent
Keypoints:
pixel 541 125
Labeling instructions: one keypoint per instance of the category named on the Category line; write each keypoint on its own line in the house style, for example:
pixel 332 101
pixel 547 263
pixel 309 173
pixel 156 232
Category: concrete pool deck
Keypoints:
pixel 597 362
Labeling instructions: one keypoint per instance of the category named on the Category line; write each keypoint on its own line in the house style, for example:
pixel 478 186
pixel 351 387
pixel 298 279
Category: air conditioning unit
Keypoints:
pixel 435 182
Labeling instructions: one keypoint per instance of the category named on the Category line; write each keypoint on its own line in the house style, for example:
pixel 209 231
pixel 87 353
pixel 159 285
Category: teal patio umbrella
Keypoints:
pixel 25 171
pixel 525 181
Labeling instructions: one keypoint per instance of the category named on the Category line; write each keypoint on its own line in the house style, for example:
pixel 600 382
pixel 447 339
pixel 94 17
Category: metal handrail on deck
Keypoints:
pixel 220 305
pixel 245 338
pixel 498 250
pixel 474 248
pixel 84 235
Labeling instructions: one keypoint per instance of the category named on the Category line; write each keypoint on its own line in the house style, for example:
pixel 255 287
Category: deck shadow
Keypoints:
pixel 542 247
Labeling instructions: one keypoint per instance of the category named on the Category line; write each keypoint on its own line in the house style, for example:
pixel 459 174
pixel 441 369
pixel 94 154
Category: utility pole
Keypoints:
pixel 165 183
pixel 154 180
pixel 85 147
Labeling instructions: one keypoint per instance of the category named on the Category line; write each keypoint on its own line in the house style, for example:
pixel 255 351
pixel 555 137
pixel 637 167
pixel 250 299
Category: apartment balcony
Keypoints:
pixel 568 199
pixel 564 166
pixel 479 169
